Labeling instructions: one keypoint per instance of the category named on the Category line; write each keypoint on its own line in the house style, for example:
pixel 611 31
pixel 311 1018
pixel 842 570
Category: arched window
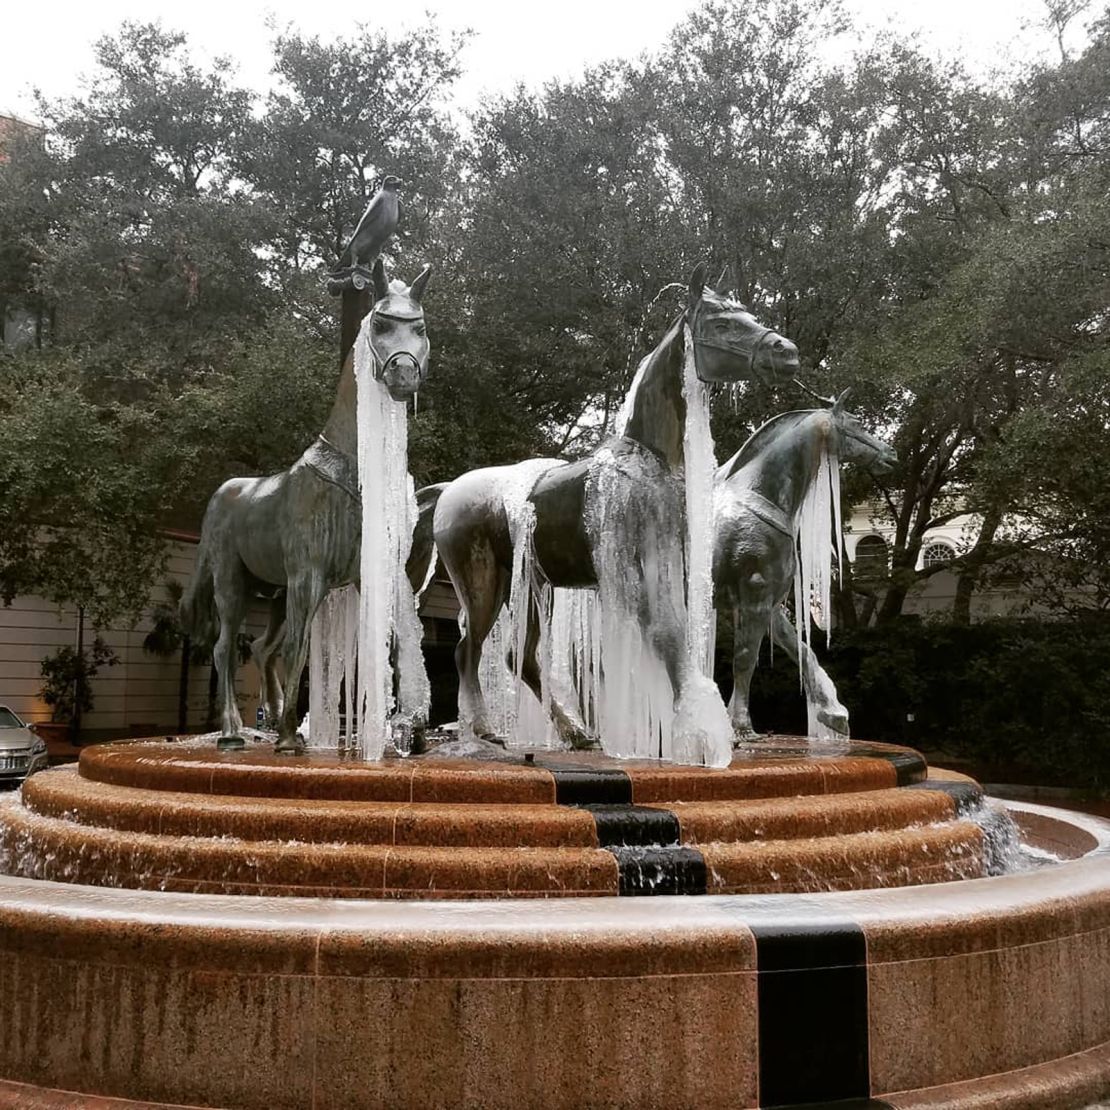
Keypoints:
pixel 936 553
pixel 871 557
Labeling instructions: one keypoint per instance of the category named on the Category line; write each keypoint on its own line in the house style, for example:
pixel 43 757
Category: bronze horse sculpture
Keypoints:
pixel 294 536
pixel 759 497
pixel 475 536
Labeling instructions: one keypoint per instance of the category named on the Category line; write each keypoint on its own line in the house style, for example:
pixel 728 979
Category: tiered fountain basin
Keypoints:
pixel 780 819
pixel 499 985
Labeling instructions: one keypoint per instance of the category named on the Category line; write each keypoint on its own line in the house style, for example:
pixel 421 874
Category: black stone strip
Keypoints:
pixel 843 1104
pixel 646 871
pixel 813 1034
pixel 634 826
pixel 645 842
pixel 909 766
pixel 966 796
pixel 583 786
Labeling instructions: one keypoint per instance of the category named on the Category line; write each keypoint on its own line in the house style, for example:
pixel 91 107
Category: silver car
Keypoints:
pixel 22 753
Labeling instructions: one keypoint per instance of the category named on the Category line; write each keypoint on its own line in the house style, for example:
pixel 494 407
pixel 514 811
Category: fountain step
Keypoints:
pixel 59 849
pixel 785 816
pixel 64 794
pixel 782 768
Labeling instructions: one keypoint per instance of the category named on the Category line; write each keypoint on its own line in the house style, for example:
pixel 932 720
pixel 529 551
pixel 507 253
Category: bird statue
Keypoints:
pixel 378 223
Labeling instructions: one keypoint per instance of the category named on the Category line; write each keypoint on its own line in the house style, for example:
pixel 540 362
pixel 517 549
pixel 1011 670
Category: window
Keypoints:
pixel 871 557
pixel 937 553
pixel 8 719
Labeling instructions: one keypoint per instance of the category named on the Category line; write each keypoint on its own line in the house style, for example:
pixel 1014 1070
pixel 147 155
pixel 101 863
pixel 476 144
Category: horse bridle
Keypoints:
pixel 749 353
pixel 381 364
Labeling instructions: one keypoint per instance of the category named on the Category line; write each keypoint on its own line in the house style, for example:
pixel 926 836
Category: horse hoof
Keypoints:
pixel 583 742
pixel 293 746
pixel 493 738
pixel 230 744
pixel 838 722
pixel 745 736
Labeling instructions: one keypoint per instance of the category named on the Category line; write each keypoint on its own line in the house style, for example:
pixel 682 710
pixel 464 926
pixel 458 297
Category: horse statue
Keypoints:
pixel 294 536
pixel 771 532
pixel 477 520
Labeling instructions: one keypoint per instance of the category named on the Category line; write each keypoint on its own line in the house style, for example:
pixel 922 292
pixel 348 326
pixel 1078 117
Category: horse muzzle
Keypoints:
pixel 402 374
pixel 883 463
pixel 776 359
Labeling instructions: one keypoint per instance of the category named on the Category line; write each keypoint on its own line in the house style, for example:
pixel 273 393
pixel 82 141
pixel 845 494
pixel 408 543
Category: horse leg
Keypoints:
pixel 572 733
pixel 753 606
pixel 302 598
pixel 485 597
pixel 749 623
pixel 819 688
pixel 231 604
pixel 701 731
pixel 264 651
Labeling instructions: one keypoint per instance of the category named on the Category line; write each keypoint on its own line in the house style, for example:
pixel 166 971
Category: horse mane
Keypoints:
pixel 755 443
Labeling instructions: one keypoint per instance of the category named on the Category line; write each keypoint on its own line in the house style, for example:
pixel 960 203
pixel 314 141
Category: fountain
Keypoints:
pixel 803 922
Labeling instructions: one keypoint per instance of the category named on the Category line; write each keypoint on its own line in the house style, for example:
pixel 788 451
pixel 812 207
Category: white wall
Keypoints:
pixel 139 692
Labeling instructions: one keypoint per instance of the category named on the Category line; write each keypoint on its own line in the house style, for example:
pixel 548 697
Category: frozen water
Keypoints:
pixel 387 608
pixel 367 642
pixel 515 712
pixel 700 468
pixel 331 661
pixel 819 538
pixel 635 509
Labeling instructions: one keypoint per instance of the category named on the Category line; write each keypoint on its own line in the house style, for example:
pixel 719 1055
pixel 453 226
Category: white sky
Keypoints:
pixel 516 40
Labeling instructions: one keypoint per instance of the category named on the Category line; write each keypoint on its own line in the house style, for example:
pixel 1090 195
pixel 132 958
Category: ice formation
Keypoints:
pixel 387 656
pixel 387 607
pixel 635 504
pixel 515 713
pixel 331 667
pixel 818 533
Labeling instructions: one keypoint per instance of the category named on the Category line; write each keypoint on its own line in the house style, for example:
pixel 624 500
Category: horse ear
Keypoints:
pixel 839 403
pixel 416 290
pixel 724 281
pixel 697 283
pixel 381 286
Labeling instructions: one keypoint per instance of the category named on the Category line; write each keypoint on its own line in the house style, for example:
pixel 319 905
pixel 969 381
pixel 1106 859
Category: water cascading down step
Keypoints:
pixel 179 817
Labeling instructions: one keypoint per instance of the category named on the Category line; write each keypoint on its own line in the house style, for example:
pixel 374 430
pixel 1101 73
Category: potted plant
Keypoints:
pixel 67 686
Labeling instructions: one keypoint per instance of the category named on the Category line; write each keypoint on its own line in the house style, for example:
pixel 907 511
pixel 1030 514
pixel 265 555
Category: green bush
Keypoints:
pixel 1025 695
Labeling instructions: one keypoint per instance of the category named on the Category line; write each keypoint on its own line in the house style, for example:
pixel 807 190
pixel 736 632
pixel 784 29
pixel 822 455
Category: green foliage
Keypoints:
pixel 1026 694
pixel 67 679
pixel 82 485
pixel 939 242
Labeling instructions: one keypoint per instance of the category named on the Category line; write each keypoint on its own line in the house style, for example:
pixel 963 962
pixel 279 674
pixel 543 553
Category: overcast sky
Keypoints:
pixel 514 41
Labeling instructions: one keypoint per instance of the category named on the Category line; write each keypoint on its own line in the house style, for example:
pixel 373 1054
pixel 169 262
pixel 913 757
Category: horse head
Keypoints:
pixel 729 343
pixel 856 444
pixel 397 335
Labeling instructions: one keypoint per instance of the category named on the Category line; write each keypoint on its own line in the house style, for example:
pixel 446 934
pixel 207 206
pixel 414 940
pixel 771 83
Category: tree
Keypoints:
pixel 151 259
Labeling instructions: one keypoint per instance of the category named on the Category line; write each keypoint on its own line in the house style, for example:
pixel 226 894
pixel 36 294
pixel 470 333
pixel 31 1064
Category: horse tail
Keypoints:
pixel 198 605
pixel 422 555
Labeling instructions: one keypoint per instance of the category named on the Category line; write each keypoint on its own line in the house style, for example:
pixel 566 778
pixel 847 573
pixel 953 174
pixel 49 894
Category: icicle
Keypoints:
pixel 819 540
pixel 633 500
pixel 386 604
pixel 328 663
pixel 702 730
pixel 700 468
pixel 514 711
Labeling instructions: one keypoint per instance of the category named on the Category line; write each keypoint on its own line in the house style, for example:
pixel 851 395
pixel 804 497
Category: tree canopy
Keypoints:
pixel 940 241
